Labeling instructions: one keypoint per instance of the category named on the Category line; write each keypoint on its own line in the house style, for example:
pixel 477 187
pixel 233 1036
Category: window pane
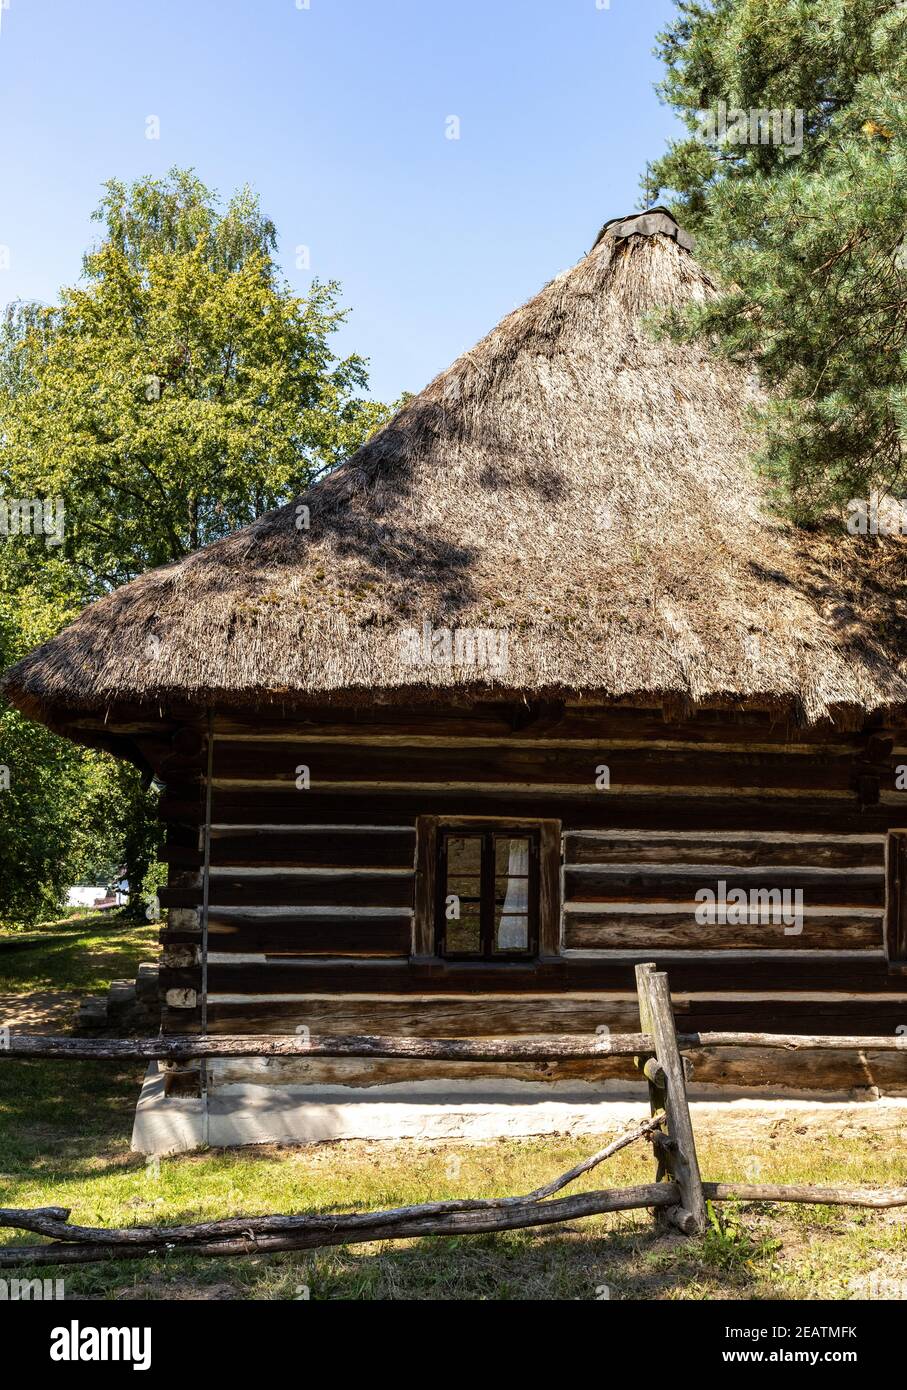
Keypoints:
pixel 464 854
pixel 511 931
pixel 461 886
pixel 463 895
pixel 512 894
pixel 511 857
pixel 463 934
pixel 487 904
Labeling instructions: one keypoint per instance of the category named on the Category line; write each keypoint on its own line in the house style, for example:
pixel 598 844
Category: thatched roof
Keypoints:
pixel 572 486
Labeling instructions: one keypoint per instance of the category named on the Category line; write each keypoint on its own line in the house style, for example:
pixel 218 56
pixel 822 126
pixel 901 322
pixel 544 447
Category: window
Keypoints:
pixel 487 894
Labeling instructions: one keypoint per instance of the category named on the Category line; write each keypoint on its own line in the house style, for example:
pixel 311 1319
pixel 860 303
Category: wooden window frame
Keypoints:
pixel 488 835
pixel 548 912
pixel 896 900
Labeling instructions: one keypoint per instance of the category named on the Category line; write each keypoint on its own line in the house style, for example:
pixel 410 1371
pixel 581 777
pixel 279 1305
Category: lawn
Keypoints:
pixel 75 953
pixel 64 1141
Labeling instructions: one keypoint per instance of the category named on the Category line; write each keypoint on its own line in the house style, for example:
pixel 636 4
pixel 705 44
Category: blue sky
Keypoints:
pixel 337 114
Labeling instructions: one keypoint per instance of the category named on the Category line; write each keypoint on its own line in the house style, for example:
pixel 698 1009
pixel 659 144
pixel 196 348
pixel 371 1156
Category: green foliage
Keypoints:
pixel 811 243
pixel 174 394
pixel 41 786
pixel 68 814
pixel 155 879
pixel 181 389
pixel 728 1245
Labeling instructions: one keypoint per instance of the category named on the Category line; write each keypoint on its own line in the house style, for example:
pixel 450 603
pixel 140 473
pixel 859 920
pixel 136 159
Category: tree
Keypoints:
pixel 182 389
pixel 801 210
pixel 173 395
pixel 67 814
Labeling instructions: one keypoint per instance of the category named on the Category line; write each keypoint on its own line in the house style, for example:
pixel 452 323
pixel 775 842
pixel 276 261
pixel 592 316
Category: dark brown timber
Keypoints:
pixel 179 1048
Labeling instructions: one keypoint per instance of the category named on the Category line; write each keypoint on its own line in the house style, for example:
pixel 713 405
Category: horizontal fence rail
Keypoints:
pixel 541 1048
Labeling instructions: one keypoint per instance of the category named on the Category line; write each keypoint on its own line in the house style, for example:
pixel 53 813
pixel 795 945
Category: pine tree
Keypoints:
pixel 794 180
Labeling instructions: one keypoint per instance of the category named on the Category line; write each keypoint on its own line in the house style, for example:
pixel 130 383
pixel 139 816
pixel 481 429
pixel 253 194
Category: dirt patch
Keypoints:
pixel 41 1010
pixel 182 1289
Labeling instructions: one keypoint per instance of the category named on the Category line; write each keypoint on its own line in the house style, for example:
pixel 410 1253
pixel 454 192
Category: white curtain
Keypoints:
pixel 513 932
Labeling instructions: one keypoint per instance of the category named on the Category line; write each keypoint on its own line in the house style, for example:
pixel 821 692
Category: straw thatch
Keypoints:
pixel 572 483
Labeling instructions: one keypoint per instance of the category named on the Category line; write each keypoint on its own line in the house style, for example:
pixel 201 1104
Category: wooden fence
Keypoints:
pixel 677 1197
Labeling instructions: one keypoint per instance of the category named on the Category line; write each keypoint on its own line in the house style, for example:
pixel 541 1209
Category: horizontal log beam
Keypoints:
pixel 696 974
pixel 756 851
pixel 529 1049
pixel 508 1015
pixel 657 930
pixel 276 764
pixel 285 890
pixel 878 1198
pixel 321 935
pixel 186 1048
pixel 491 719
pixel 837 888
pixel 663 811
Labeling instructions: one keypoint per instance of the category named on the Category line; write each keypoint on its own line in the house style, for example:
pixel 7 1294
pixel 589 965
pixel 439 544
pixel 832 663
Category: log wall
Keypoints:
pixel 313 889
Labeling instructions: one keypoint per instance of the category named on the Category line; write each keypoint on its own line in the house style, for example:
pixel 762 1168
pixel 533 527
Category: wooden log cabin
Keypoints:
pixel 534 687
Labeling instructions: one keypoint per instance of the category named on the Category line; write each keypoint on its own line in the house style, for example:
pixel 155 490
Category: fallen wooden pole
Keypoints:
pixel 879 1197
pixel 54 1221
pixel 247 1242
pixel 338 1229
pixel 542 1048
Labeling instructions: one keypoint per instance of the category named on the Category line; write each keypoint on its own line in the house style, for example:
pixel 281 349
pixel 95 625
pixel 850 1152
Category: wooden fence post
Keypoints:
pixel 656 1089
pixel 676 1153
pixel 654 1078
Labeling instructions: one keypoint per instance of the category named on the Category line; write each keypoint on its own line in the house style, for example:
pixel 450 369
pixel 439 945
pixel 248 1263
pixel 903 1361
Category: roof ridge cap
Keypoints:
pixel 650 222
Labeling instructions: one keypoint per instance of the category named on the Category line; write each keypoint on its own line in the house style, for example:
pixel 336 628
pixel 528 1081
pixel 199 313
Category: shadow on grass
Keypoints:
pixel 55 1110
pixel 574 1263
pixel 87 956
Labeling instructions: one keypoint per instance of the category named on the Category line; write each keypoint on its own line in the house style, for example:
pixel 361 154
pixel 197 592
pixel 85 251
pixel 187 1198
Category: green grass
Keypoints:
pixel 83 953
pixel 64 1141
